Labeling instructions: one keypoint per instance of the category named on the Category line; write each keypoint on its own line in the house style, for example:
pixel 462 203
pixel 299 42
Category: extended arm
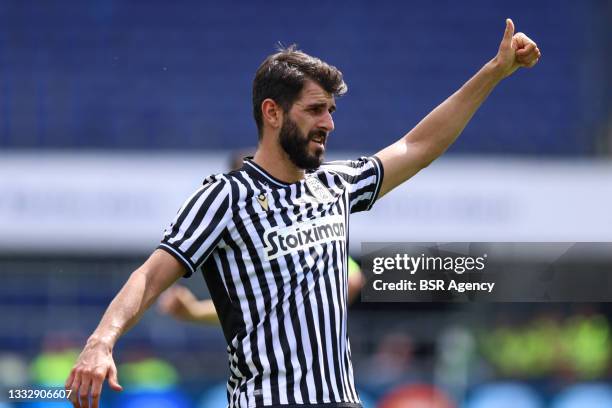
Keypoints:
pixel 180 303
pixel 439 129
pixel 95 363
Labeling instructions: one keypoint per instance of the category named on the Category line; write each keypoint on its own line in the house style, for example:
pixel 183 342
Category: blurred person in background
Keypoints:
pixel 272 237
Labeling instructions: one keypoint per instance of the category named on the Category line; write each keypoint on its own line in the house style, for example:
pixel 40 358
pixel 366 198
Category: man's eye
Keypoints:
pixel 318 110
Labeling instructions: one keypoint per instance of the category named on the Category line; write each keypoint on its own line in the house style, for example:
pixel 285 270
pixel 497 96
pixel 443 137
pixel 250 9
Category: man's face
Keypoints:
pixel 306 126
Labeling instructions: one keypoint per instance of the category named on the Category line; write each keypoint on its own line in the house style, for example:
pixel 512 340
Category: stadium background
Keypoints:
pixel 111 112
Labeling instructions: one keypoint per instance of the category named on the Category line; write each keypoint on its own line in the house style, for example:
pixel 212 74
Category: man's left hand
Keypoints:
pixel 515 51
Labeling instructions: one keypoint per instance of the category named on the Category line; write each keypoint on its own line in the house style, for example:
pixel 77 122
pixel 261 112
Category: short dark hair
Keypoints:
pixel 281 77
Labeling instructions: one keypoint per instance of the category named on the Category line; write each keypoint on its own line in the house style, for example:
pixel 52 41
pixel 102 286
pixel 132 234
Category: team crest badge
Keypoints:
pixel 262 199
pixel 318 190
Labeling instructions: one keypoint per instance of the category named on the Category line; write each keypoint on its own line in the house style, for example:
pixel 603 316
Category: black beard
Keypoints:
pixel 295 144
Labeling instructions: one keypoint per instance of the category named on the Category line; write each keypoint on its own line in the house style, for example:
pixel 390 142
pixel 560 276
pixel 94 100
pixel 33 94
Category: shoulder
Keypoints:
pixel 231 185
pixel 217 181
pixel 352 167
pixel 215 186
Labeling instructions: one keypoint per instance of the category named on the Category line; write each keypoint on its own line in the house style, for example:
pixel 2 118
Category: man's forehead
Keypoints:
pixel 312 92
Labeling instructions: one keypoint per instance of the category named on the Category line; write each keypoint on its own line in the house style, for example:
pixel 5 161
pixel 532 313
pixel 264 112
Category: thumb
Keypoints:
pixel 112 379
pixel 509 32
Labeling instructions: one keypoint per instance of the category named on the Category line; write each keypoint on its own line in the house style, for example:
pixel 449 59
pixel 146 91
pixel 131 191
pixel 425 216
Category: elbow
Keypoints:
pixel 421 153
pixel 425 156
pixel 428 154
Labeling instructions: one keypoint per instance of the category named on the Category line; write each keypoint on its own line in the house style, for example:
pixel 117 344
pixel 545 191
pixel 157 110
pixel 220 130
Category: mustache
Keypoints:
pixel 316 133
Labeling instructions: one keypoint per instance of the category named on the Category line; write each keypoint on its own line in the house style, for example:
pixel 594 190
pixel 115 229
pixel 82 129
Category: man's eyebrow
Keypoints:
pixel 315 105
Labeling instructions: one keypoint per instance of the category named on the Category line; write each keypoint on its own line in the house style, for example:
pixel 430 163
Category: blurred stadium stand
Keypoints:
pixel 130 75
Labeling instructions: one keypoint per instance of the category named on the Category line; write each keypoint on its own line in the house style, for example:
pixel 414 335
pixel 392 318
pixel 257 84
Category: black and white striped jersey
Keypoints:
pixel 274 256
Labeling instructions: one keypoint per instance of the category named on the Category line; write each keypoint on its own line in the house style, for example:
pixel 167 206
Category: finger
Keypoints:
pixel 70 379
pixel 526 50
pixel 96 389
pixel 74 389
pixel 532 63
pixel 528 59
pixel 112 379
pixel 529 62
pixel 84 391
pixel 509 32
pixel 524 39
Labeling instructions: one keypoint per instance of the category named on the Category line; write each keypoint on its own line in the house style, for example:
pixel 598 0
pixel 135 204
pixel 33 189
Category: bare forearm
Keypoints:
pixel 96 363
pixel 441 127
pixel 125 310
pixel 204 311
pixel 138 293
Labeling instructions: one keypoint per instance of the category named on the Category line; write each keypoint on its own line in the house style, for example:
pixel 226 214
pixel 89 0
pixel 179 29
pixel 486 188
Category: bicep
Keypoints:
pixel 400 161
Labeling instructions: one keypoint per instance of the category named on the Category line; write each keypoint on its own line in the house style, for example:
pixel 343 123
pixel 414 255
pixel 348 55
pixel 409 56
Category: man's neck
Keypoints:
pixel 276 162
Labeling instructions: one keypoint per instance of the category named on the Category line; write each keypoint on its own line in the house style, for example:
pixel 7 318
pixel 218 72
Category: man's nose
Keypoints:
pixel 327 122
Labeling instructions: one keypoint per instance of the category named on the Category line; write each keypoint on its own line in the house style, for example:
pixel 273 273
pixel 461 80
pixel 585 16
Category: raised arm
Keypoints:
pixel 95 363
pixel 439 129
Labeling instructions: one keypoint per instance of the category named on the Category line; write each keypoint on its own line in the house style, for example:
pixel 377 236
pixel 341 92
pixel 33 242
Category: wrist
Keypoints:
pixel 495 70
pixel 97 340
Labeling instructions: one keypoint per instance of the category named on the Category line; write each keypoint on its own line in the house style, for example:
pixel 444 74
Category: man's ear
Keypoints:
pixel 272 113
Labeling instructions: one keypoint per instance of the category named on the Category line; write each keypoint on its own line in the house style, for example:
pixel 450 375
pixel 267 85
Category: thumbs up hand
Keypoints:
pixel 515 51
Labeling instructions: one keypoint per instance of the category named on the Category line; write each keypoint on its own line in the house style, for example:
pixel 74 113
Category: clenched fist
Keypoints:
pixel 515 51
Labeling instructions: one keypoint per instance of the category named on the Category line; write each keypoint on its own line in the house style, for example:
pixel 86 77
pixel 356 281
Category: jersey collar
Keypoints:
pixel 258 172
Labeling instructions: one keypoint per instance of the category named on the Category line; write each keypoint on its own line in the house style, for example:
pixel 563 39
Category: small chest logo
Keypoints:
pixel 318 190
pixel 262 199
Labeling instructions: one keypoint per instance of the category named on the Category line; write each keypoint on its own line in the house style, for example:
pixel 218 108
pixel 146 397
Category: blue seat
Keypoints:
pixel 504 395
pixel 585 395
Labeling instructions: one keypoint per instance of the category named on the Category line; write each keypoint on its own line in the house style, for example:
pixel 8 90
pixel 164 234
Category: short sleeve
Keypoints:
pixel 198 226
pixel 363 178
